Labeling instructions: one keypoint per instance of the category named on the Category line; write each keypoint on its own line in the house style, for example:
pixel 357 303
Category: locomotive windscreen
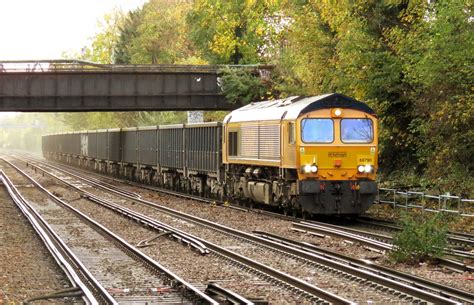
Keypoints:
pixel 357 131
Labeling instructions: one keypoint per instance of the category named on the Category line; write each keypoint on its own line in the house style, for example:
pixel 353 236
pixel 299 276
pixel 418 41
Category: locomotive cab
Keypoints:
pixel 336 160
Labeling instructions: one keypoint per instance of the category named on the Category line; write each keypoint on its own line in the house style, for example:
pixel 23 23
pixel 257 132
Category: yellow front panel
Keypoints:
pixel 328 157
pixel 337 160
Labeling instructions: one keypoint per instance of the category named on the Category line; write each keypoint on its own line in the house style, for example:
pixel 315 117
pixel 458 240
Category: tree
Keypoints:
pixel 104 42
pixel 156 34
pixel 24 130
pixel 342 47
pixel 410 60
pixel 436 44
pixel 128 33
pixel 233 32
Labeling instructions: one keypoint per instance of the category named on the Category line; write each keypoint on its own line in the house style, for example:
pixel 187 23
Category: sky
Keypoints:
pixel 44 29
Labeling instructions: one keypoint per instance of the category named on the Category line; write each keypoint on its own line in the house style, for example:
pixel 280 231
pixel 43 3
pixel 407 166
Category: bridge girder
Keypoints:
pixel 93 87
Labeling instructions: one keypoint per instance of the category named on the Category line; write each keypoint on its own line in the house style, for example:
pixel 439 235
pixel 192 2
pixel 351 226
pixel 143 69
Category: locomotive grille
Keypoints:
pixel 269 138
pixel 260 142
pixel 249 141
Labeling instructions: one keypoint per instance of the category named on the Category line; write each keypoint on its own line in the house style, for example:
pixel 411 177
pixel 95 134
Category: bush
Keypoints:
pixel 241 86
pixel 422 238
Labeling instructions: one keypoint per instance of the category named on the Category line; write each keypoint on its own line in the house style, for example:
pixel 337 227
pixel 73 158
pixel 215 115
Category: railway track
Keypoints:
pixel 409 290
pixel 421 283
pixel 291 283
pixel 370 239
pixel 386 240
pixel 373 242
pixel 85 283
pixel 105 254
pixel 454 238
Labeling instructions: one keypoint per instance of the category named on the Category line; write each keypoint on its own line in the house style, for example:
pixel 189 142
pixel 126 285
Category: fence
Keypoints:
pixel 430 203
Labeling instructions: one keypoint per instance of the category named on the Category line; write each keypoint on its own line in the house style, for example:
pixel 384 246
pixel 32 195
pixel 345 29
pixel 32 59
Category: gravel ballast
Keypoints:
pixel 27 268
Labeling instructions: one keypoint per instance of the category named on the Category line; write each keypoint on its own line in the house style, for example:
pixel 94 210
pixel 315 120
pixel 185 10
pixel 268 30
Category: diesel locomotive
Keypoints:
pixel 312 155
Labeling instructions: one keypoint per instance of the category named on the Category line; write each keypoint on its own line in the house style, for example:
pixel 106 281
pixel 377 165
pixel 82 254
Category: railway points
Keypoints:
pixel 374 241
pixel 267 273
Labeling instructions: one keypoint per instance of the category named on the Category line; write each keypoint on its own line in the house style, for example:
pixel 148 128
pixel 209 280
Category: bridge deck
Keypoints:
pixel 83 86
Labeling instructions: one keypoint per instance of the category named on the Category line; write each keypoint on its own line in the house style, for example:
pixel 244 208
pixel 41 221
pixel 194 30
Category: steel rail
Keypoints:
pixel 117 189
pixel 453 237
pixel 286 279
pixel 449 263
pixel 228 295
pixel 156 189
pixel 328 231
pixel 175 233
pixel 162 227
pixel 97 182
pixel 386 282
pixel 94 293
pixel 384 238
pixel 306 227
pixel 437 288
pixel 157 225
pixel 455 265
pixel 179 283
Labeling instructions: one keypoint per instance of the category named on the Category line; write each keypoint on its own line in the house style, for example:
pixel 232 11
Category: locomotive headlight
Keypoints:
pixel 361 168
pixel 309 168
pixel 368 168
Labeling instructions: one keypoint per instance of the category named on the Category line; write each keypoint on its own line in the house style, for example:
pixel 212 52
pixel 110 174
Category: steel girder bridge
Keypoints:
pixel 72 85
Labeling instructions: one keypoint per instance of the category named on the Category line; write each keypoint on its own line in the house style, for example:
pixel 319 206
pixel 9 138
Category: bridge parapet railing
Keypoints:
pixel 431 203
pixel 64 65
pixel 74 65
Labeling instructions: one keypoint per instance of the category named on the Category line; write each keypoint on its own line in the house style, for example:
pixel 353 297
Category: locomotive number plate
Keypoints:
pixel 365 159
pixel 337 154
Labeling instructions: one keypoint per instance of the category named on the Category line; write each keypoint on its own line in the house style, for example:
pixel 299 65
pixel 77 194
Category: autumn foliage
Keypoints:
pixel 410 60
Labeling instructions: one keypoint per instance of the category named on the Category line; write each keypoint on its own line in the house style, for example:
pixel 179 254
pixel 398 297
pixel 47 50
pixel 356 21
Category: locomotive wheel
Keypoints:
pixel 295 207
pixel 305 215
